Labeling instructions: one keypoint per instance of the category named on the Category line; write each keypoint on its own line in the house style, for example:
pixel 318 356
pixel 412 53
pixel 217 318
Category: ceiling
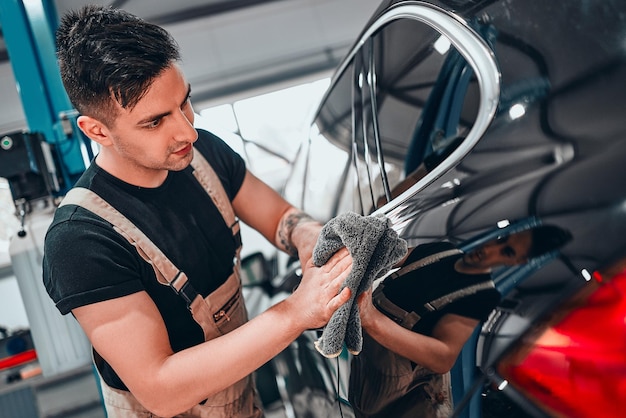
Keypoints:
pixel 233 47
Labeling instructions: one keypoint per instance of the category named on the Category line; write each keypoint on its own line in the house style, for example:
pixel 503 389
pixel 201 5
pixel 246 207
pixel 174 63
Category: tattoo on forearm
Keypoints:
pixel 287 224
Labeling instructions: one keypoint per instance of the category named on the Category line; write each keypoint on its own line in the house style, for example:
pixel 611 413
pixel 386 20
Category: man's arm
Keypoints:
pixel 437 352
pixel 129 333
pixel 285 226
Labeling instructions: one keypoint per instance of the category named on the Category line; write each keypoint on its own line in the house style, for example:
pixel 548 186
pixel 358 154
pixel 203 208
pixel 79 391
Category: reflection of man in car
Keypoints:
pixel 418 319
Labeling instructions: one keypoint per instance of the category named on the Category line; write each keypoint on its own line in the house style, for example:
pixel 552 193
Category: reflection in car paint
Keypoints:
pixel 541 141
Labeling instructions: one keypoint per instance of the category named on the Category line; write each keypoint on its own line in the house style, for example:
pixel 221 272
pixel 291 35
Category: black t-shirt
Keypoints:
pixel 413 289
pixel 86 261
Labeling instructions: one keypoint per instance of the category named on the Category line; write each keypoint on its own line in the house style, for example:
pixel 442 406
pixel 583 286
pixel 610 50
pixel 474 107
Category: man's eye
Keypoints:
pixel 153 124
pixel 508 252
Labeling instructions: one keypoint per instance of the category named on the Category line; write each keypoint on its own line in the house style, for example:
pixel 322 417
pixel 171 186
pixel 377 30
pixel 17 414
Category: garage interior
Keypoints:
pixel 231 50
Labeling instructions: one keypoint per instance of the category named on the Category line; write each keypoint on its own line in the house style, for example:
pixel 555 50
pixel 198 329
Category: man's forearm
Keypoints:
pixel 297 233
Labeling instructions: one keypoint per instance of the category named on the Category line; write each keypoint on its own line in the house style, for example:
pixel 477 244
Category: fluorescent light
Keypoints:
pixel 503 223
pixel 517 111
pixel 442 45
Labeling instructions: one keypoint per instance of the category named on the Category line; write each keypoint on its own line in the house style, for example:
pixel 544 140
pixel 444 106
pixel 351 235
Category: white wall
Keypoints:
pixel 11 112
pixel 12 313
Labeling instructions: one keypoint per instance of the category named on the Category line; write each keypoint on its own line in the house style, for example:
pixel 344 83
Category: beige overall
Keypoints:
pixel 219 313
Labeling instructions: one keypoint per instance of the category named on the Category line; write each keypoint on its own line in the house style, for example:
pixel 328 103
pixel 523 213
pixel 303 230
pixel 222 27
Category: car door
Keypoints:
pixel 420 87
pixel 471 121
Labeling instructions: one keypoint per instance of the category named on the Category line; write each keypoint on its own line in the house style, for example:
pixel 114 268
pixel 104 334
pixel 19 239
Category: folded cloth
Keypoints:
pixel 375 247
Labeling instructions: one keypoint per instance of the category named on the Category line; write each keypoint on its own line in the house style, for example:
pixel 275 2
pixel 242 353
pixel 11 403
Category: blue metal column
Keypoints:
pixel 29 28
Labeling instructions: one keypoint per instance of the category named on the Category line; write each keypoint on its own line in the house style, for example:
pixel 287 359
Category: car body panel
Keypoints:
pixel 541 131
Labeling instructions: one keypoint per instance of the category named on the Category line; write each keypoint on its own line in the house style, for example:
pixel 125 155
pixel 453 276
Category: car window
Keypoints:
pixel 407 95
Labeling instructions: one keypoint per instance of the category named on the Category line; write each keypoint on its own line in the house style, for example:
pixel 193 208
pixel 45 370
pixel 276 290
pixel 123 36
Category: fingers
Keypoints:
pixel 341 298
pixel 339 262
pixel 320 292
pixel 367 310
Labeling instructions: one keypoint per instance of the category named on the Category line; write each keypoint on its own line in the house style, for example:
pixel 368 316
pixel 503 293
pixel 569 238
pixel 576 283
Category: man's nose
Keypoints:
pixel 490 252
pixel 185 131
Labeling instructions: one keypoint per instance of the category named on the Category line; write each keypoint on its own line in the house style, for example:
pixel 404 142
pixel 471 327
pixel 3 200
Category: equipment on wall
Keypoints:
pixel 28 164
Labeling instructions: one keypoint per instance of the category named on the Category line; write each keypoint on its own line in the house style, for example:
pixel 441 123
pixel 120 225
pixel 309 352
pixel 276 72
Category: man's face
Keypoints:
pixel 154 136
pixel 506 251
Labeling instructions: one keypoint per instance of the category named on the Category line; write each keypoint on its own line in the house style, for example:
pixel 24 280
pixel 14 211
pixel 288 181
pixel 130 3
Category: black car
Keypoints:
pixel 465 121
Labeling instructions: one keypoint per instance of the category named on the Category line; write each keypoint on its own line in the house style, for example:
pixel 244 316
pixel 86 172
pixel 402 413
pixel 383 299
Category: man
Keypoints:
pixel 153 356
pixel 418 319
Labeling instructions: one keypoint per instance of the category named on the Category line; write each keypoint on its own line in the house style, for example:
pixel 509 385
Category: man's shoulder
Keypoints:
pixel 227 163
pixel 208 142
pixel 72 223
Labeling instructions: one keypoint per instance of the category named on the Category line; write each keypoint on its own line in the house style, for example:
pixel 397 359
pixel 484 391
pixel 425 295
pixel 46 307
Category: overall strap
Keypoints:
pixel 444 300
pixel 207 177
pixel 409 319
pixel 166 272
pixel 430 259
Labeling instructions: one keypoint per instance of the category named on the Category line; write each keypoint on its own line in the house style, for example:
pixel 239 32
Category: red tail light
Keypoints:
pixel 574 364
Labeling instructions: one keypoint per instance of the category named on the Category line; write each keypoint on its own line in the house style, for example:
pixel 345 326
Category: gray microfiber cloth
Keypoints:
pixel 375 247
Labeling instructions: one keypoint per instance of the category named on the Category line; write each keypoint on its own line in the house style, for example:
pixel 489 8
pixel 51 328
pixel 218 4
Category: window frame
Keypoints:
pixel 472 47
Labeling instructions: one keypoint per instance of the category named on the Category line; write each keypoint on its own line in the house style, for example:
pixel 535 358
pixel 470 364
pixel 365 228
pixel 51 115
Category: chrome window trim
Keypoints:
pixel 475 51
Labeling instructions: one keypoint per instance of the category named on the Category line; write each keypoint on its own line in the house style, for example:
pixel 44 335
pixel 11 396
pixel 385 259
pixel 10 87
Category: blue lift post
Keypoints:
pixel 28 27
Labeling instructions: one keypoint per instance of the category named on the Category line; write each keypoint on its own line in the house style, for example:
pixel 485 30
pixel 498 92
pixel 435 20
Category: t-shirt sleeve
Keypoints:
pixel 92 263
pixel 477 306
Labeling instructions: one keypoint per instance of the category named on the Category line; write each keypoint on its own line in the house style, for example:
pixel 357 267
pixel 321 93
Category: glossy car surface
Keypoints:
pixel 517 108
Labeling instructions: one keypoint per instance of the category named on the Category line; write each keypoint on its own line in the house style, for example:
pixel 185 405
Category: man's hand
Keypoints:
pixel 367 310
pixel 320 294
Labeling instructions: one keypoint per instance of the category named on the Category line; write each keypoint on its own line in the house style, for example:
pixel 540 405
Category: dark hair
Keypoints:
pixel 106 53
pixel 546 238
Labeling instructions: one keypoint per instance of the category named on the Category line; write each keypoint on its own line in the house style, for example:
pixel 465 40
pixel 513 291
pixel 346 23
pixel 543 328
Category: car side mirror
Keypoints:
pixel 255 269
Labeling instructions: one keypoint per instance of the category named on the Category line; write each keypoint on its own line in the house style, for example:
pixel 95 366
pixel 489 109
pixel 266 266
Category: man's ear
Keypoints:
pixel 94 129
